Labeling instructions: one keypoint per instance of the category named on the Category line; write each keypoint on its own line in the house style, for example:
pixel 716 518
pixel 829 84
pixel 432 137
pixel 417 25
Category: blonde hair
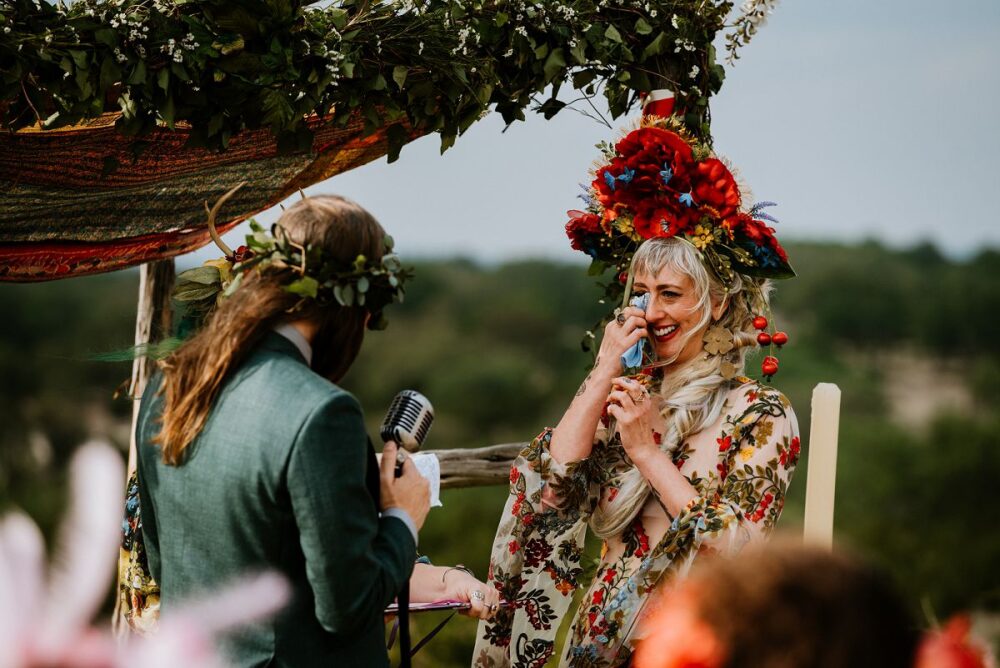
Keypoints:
pixel 692 396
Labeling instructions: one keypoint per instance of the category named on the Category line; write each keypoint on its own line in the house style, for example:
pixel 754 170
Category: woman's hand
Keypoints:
pixel 573 438
pixel 638 420
pixel 461 586
pixel 619 335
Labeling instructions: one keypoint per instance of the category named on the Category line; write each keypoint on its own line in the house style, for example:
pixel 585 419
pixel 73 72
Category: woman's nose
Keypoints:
pixel 652 310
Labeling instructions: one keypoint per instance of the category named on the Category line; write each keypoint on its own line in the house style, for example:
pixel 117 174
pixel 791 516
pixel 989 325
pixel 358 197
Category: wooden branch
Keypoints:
pixel 477 467
pixel 152 324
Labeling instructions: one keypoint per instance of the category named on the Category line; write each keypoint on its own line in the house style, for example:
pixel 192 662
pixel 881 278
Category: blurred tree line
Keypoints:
pixel 497 349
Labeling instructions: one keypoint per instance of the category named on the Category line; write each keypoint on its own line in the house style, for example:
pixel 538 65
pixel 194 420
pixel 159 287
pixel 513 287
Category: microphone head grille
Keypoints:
pixel 408 420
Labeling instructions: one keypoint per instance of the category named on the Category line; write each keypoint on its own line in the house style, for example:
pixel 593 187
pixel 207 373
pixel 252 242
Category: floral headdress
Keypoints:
pixel 658 181
pixel 311 273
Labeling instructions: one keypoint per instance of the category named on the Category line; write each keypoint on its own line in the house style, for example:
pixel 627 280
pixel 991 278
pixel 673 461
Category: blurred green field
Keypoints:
pixel 909 336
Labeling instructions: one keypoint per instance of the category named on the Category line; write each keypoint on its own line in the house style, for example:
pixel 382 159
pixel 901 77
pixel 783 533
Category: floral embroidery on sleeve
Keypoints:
pixel 759 459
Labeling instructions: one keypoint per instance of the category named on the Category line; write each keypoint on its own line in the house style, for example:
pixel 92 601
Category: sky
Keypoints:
pixel 863 119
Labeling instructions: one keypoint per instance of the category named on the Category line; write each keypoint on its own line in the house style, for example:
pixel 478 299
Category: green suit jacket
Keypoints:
pixel 282 477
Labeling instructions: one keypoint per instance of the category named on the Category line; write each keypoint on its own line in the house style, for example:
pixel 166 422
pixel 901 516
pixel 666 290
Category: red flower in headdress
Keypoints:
pixel 580 225
pixel 713 185
pixel 652 168
pixel 760 234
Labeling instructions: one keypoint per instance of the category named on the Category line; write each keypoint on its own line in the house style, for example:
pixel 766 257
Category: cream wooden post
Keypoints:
pixel 821 477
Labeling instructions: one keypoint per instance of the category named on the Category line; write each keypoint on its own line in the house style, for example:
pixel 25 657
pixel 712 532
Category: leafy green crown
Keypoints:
pixel 311 274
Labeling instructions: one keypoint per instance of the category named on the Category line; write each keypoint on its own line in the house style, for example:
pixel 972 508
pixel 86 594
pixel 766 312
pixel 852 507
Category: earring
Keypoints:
pixel 718 340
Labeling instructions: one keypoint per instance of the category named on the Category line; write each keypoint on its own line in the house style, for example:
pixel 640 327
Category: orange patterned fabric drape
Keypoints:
pixel 64 212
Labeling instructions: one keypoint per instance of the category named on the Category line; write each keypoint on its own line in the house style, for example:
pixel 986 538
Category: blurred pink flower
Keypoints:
pixel 45 618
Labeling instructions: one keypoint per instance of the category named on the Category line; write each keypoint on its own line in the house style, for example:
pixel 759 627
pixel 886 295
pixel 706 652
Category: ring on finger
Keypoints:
pixel 620 319
pixel 478 595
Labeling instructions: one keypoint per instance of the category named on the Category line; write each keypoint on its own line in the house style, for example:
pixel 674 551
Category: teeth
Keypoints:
pixel 664 331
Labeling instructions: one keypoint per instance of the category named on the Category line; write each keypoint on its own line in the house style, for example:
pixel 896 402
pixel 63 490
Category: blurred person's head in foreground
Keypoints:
pixel 781 606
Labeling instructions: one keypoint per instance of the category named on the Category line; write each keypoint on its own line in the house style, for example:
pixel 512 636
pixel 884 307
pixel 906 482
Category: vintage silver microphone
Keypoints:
pixel 407 422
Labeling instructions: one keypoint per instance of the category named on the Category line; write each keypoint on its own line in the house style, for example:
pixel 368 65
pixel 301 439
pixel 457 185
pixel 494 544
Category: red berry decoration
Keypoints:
pixel 623 277
pixel 780 339
pixel 764 339
pixel 760 322
pixel 241 254
pixel 770 366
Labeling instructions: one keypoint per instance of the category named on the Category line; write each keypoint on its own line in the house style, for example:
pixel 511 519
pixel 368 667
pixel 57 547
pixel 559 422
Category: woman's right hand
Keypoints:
pixel 618 337
pixel 573 437
pixel 410 491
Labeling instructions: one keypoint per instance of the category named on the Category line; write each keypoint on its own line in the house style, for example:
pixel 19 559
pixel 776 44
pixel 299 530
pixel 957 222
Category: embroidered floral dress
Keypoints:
pixel 740 467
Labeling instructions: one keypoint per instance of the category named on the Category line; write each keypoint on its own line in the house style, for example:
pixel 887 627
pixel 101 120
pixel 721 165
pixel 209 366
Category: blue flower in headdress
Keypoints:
pixel 686 199
pixel 625 177
pixel 610 180
pixel 666 174
pixel 765 256
pixel 590 246
pixel 587 198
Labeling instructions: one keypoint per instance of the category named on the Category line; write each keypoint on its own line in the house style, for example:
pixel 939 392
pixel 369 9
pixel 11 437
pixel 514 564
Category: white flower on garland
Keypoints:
pixel 753 17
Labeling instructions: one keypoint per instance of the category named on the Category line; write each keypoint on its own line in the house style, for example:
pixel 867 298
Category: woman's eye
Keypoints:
pixel 670 294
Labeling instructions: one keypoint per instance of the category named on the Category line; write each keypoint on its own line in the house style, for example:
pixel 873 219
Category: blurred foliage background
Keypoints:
pixel 908 335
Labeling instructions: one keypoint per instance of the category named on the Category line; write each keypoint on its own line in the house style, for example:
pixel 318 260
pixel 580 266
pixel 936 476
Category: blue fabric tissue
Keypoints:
pixel 632 358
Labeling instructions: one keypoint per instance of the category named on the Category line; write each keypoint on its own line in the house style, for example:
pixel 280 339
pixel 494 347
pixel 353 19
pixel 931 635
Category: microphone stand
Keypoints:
pixel 403 618
pixel 410 416
pixel 403 601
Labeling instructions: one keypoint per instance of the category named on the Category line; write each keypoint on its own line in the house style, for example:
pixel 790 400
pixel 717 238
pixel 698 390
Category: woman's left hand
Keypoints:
pixel 484 599
pixel 638 420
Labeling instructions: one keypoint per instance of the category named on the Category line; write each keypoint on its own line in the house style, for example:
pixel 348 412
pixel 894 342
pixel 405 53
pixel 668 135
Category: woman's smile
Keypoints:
pixel 672 314
pixel 665 333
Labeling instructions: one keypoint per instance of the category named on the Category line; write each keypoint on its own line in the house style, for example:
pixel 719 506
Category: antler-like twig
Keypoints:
pixel 211 219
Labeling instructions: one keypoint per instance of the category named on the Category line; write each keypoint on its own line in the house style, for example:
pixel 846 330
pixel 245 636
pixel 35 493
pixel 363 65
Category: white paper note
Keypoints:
pixel 429 467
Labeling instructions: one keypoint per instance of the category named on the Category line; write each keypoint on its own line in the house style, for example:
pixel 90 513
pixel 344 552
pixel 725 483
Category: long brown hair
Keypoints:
pixel 194 374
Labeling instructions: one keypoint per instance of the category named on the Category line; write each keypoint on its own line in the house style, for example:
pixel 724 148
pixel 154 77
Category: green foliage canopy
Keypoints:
pixel 228 65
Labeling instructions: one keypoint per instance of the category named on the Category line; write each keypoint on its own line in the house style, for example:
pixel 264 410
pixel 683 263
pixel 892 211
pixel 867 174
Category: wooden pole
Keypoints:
pixel 152 324
pixel 821 477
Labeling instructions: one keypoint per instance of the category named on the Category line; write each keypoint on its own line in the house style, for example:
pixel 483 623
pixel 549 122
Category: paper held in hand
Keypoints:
pixel 429 467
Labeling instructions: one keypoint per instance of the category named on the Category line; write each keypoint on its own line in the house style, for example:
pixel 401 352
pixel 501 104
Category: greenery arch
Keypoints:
pixel 224 66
